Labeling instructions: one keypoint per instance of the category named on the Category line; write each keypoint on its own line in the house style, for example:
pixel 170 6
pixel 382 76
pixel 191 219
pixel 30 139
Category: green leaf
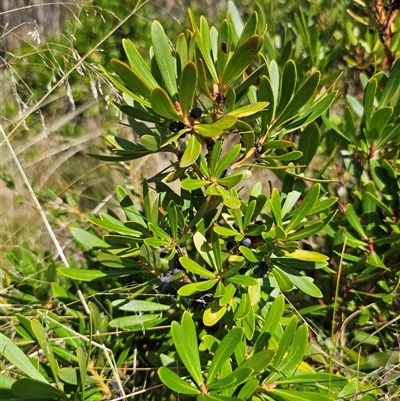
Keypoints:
pixel 192 151
pixel 141 114
pixel 113 224
pixel 203 40
pixel 162 104
pixel 90 275
pixel 44 343
pixel 309 141
pixel 291 395
pixel 317 109
pixel 223 352
pixel 10 351
pixel 249 322
pixel 373 259
pixel 258 362
pixel 377 202
pixel 187 86
pixel 185 341
pixel 288 85
pixel 191 266
pixel 303 283
pixel 88 239
pixel 231 381
pixel 282 279
pixel 182 50
pixel 224 44
pixel 130 210
pixel 214 397
pixel 225 232
pixel 248 110
pixel 230 291
pixel 250 255
pixel 213 313
pixel 193 288
pixel 304 209
pixel 137 305
pixel 202 77
pixel 275 203
pixel 354 221
pixel 314 379
pixel 71 376
pixel 36 389
pixel 369 97
pixel 297 351
pixel 208 131
pixel 149 142
pixel 227 160
pixel 136 322
pixel 355 105
pixel 191 184
pixel 302 96
pixel 175 383
pixel 241 59
pixel 165 61
pixel 302 254
pixel 159 232
pixel 379 121
pixel 245 281
pixel 234 178
pixel 204 250
pixel 248 389
pixel 156 242
pixel 131 78
pixel 225 122
pixel 138 64
pixel 244 307
pixel 82 364
pixel 391 87
pixel 172 216
pixel 274 316
pixel 124 89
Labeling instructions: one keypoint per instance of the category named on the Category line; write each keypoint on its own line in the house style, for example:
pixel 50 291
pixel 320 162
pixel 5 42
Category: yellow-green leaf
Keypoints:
pixel 187 86
pixel 162 104
pixel 163 55
pixel 192 151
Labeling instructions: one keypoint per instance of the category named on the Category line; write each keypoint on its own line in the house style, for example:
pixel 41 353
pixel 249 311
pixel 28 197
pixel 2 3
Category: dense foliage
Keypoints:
pixel 199 281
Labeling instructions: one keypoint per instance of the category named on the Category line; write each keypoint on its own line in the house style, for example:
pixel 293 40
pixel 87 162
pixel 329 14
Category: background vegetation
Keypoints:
pixel 71 321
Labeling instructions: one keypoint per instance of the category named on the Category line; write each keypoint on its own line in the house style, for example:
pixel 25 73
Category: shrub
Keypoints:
pixel 199 279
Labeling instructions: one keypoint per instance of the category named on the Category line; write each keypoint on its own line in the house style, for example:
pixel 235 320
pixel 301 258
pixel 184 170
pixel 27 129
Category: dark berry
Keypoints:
pixel 246 242
pixel 261 269
pixel 227 172
pixel 176 126
pixel 196 112
pixel 163 253
pixel 166 289
pixel 371 31
pixel 260 149
pixel 178 266
pixel 230 245
pixel 113 385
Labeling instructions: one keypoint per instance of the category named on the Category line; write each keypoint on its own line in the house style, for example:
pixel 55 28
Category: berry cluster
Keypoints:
pixel 176 126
